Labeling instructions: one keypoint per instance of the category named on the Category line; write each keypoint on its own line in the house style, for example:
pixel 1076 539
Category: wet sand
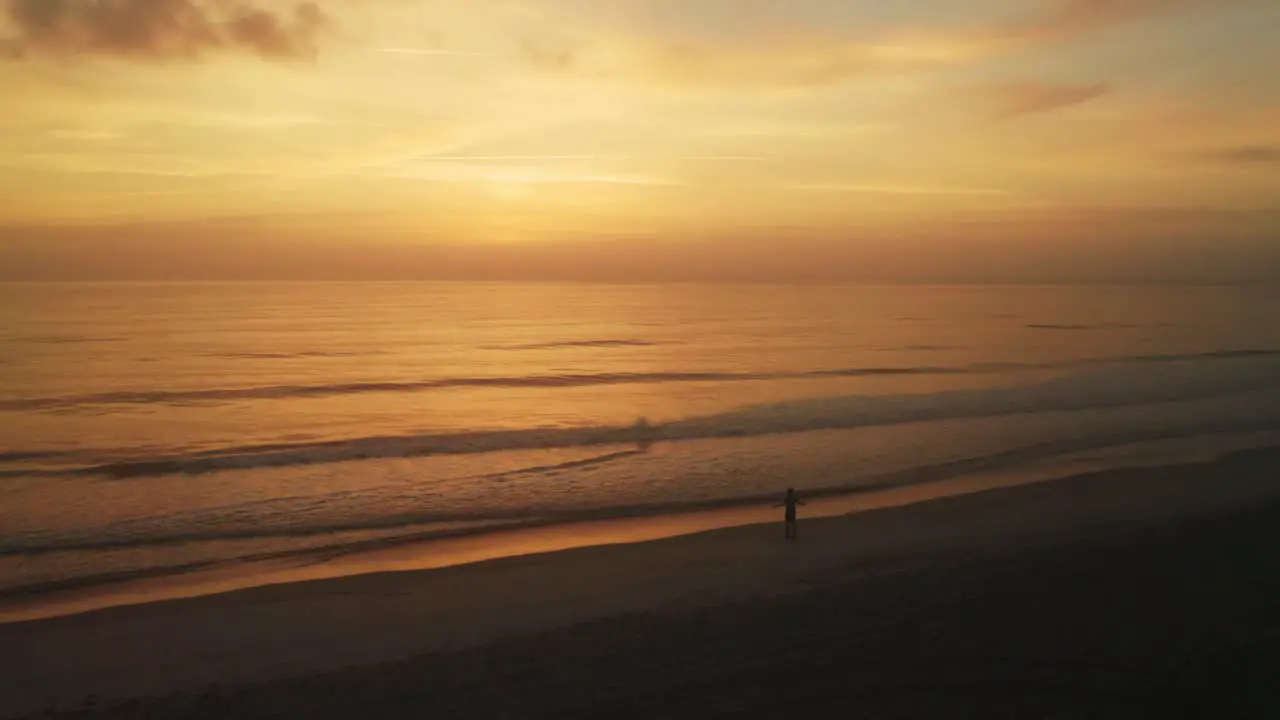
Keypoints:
pixel 1115 593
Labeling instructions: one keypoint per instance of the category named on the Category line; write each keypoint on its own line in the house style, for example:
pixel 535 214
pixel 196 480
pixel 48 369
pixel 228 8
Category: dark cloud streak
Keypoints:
pixel 160 29
pixel 1018 99
pixel 1248 155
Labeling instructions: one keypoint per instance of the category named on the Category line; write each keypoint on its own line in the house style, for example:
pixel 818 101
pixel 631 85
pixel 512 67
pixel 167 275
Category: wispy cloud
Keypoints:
pixel 83 135
pixel 803 63
pixel 903 189
pixel 549 56
pixel 161 29
pixel 1069 17
pixel 425 52
pixel 807 56
pixel 538 158
pixel 480 172
pixel 1026 98
pixel 793 129
pixel 1246 155
pixel 503 158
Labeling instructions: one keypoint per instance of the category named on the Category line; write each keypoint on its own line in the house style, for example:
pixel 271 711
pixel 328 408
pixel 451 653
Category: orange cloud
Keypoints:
pixel 161 29
pixel 1026 98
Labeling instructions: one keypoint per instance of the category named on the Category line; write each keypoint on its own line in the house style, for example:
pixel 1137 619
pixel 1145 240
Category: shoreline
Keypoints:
pixel 72 597
pixel 269 634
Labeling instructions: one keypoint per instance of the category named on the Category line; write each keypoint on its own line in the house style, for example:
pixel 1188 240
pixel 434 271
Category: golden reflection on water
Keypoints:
pixel 276 338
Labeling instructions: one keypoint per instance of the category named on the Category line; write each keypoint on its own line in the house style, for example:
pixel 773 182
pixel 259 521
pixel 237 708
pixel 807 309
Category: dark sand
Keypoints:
pixel 1137 593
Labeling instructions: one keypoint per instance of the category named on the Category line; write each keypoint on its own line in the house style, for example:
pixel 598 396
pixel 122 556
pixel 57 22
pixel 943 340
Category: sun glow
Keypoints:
pixel 555 120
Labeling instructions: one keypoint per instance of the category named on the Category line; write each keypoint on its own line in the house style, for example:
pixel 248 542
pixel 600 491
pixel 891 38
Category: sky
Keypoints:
pixel 638 140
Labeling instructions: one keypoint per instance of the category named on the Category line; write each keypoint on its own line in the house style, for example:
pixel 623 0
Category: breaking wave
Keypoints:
pixel 273 392
pixel 1113 387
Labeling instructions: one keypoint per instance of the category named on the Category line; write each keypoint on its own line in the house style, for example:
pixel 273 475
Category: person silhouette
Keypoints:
pixel 790 502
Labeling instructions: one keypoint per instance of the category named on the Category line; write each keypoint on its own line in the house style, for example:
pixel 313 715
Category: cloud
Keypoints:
pixel 905 190
pixel 1081 15
pixel 548 56
pixel 425 52
pixel 161 29
pixel 809 56
pixel 478 170
pixel 803 62
pixel 1247 154
pixel 1014 100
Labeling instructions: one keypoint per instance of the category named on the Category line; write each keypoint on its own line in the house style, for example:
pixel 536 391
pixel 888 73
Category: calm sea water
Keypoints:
pixel 149 428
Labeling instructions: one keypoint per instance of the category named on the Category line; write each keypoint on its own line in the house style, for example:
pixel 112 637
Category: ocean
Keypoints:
pixel 153 429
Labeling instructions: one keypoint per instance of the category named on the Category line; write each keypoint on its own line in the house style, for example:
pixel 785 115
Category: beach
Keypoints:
pixel 1095 594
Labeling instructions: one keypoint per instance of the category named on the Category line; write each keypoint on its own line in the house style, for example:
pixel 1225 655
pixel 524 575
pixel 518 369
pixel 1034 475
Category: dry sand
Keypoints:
pixel 1147 589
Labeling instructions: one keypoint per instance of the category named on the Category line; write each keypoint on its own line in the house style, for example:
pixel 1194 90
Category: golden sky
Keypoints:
pixel 640 139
